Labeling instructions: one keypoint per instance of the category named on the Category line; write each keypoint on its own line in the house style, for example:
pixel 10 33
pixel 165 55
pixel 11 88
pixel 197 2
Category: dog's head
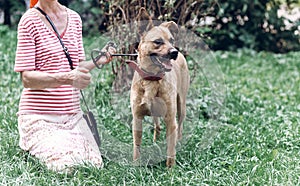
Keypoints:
pixel 156 48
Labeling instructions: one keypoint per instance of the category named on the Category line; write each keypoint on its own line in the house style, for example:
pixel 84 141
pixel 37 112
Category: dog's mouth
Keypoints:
pixel 163 62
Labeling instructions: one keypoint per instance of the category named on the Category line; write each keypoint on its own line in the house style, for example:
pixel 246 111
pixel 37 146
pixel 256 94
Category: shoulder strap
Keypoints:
pixel 65 49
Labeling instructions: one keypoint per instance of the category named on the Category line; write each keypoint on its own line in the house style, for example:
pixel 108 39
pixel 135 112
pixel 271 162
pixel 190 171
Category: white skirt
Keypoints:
pixel 60 141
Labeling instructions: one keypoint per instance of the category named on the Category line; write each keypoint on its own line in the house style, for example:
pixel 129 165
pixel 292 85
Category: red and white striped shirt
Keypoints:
pixel 38 49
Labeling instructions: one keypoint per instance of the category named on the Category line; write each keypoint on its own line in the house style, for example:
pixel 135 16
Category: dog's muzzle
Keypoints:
pixel 164 62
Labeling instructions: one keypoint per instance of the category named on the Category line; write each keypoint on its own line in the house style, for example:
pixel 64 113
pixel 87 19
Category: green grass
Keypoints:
pixel 256 142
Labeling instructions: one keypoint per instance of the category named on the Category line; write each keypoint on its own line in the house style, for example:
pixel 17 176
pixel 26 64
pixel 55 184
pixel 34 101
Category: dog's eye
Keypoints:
pixel 158 41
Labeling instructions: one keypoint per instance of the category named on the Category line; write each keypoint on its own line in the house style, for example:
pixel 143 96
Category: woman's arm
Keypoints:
pixel 78 78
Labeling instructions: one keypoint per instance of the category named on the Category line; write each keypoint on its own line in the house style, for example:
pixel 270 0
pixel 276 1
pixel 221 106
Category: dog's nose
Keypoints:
pixel 173 53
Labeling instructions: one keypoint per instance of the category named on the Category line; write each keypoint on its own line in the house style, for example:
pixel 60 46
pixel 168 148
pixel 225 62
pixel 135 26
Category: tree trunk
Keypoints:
pixel 7 6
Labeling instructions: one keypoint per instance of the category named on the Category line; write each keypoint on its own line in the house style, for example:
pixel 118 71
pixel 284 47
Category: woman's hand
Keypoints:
pixel 107 58
pixel 80 77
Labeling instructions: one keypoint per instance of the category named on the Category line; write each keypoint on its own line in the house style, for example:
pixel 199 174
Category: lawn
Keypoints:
pixel 255 140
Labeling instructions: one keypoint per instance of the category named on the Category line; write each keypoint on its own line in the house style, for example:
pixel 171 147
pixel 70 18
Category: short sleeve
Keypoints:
pixel 26 49
pixel 81 53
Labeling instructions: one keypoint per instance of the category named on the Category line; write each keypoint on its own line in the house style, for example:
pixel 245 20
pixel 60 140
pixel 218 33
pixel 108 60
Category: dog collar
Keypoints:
pixel 144 74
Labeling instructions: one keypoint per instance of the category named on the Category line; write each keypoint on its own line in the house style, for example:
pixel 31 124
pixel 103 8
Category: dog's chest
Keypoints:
pixel 155 88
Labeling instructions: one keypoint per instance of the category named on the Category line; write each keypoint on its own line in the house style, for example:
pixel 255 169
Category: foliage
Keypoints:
pixel 92 15
pixel 225 25
pixel 252 24
pixel 257 142
pixel 12 11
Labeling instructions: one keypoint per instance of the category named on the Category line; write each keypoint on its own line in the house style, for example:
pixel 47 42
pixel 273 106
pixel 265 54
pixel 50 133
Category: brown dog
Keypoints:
pixel 160 85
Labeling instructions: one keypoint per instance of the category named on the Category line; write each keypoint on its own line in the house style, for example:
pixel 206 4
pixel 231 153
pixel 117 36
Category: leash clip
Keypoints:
pixel 96 54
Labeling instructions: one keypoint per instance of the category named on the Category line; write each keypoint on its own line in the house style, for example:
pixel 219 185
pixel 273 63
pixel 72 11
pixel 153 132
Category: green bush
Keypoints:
pixel 233 23
pixel 252 24
pixel 91 14
pixel 12 11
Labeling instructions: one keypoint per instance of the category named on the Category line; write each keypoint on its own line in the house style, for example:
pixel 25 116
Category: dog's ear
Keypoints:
pixel 144 21
pixel 172 26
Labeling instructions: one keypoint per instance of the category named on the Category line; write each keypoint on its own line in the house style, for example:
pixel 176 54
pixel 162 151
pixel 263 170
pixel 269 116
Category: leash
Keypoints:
pixel 96 54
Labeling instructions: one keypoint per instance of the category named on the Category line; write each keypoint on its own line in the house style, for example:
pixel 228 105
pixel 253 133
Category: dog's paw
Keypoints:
pixel 170 162
pixel 137 162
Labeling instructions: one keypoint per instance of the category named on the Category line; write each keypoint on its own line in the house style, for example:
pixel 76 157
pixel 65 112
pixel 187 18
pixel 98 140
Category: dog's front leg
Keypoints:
pixel 171 140
pixel 137 130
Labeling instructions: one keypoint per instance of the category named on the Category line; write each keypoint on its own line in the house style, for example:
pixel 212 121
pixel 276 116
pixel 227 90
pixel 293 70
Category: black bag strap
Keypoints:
pixel 65 49
pixel 89 117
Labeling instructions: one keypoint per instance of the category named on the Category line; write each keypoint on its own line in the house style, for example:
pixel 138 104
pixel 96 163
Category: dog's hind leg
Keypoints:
pixel 156 128
pixel 181 112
